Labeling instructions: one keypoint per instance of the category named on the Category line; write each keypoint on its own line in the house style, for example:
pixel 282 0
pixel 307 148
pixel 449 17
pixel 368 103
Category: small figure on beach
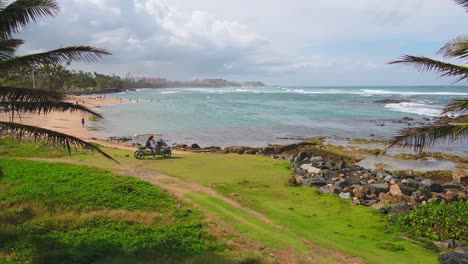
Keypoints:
pixel 82 122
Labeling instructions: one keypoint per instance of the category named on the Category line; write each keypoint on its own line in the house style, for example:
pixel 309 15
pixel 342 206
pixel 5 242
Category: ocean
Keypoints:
pixel 257 116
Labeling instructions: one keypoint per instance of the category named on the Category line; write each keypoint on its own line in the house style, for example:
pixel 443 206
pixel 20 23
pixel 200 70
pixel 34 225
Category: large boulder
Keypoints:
pixel 431 186
pixel 376 188
pixel 454 257
pixel 310 169
pixel 301 156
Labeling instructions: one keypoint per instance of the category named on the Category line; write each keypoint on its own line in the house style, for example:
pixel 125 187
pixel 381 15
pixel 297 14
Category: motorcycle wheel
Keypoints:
pixel 140 155
pixel 167 153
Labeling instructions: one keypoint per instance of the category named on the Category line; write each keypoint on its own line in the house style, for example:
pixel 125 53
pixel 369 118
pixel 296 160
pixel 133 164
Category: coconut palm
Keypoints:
pixel 13 17
pixel 422 137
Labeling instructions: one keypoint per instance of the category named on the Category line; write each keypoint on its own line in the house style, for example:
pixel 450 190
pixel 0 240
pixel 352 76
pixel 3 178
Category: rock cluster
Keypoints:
pixel 270 150
pixel 377 188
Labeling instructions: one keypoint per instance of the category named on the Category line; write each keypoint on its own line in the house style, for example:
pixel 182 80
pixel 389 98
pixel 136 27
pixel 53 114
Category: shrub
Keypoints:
pixel 439 221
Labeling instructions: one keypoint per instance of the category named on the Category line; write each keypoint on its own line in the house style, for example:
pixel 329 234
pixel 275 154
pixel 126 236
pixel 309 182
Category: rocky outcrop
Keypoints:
pixel 392 101
pixel 377 188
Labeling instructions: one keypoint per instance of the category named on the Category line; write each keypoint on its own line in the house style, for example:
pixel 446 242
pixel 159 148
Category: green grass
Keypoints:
pixel 57 213
pixel 323 219
pixel 260 184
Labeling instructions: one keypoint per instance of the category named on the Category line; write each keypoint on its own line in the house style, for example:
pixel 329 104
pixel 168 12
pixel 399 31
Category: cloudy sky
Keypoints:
pixel 292 42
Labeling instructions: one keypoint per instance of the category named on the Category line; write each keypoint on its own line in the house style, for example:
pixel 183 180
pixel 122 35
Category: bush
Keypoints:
pixel 439 221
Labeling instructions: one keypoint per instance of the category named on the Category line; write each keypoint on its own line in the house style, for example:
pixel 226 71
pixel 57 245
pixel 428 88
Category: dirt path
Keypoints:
pixel 180 188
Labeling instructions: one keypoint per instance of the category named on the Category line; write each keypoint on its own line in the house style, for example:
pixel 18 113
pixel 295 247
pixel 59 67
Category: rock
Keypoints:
pixel 327 174
pixel 358 191
pixel 454 257
pixel 317 183
pixel 451 186
pixel 327 189
pixel 251 151
pixel 310 169
pixel 368 202
pixel 431 186
pixel 388 178
pixel 450 196
pixel 317 159
pixel 410 183
pixel 341 165
pixel 345 195
pixel 343 184
pixel 195 146
pixel 406 190
pixel 301 156
pixel 400 208
pixel 392 101
pixel 395 190
pixel 461 176
pixel 376 188
pixel 355 201
pixel 381 174
pixel 386 198
pixel 330 165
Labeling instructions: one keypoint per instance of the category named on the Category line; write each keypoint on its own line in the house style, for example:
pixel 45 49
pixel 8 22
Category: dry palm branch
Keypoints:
pixel 49 136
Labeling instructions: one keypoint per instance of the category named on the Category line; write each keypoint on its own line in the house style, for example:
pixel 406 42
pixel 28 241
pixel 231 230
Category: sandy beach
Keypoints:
pixel 70 122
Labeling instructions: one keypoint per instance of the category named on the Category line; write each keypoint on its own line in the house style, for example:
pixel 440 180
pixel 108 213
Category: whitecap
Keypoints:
pixel 415 108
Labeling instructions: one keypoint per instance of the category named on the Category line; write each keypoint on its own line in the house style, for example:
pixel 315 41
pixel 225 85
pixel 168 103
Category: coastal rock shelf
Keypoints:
pixel 377 188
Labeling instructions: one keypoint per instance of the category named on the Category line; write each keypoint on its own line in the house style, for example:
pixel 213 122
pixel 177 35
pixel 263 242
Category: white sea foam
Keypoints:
pixel 170 92
pixel 370 91
pixel 417 108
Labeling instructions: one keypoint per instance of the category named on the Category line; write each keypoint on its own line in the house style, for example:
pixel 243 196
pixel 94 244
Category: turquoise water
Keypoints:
pixel 258 116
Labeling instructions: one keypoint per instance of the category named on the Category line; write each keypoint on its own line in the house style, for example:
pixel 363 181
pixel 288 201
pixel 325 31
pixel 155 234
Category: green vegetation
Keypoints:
pixel 259 183
pixel 59 213
pixel 439 221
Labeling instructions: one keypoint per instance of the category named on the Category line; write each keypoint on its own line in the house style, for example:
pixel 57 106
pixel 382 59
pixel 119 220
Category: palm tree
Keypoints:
pixel 422 137
pixel 14 101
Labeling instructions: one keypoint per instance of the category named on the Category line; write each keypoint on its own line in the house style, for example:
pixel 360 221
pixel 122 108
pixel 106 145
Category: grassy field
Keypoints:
pixel 57 213
pixel 259 183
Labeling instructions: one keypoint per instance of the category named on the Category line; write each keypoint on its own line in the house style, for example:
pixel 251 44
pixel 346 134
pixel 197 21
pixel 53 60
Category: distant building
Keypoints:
pixel 156 80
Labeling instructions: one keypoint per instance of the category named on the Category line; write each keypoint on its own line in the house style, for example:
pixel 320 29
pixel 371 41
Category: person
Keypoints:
pixel 151 144
pixel 82 122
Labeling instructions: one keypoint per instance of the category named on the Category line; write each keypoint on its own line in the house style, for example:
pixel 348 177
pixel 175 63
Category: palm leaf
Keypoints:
pixel 422 137
pixel 463 3
pixel 49 136
pixel 19 13
pixel 44 107
pixel 8 47
pixel 427 64
pixel 460 105
pixel 457 47
pixel 62 55
pixel 28 94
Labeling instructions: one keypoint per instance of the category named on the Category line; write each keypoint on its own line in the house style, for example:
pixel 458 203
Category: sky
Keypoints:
pixel 278 42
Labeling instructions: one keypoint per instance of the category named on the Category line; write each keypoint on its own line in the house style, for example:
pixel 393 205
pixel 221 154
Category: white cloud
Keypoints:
pixel 270 40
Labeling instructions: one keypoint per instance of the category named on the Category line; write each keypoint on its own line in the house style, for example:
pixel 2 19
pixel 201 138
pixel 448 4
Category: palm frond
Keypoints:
pixel 49 136
pixel 62 55
pixel 28 94
pixel 457 47
pixel 463 3
pixel 44 107
pixel 422 137
pixel 460 105
pixel 19 13
pixel 8 47
pixel 427 64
